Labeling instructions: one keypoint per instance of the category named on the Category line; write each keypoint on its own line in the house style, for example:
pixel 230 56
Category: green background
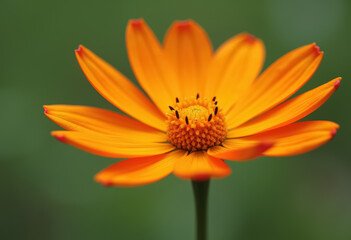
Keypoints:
pixel 47 188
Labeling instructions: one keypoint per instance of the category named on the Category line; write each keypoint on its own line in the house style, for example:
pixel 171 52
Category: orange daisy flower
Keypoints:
pixel 202 106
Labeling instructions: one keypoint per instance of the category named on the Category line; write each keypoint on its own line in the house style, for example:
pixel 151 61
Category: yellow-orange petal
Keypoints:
pixel 235 66
pixel 139 171
pixel 150 65
pixel 112 146
pixel 200 166
pixel 82 118
pixel 282 79
pixel 240 149
pixel 297 138
pixel 288 112
pixel 118 90
pixel 189 50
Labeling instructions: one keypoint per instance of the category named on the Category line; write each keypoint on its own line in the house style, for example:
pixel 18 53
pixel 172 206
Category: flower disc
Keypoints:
pixel 196 124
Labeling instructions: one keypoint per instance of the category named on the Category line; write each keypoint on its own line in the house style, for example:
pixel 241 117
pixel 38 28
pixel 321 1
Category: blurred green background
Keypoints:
pixel 47 188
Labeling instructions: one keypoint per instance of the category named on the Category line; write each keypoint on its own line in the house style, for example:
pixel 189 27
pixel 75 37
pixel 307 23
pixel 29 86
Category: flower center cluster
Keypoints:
pixel 195 124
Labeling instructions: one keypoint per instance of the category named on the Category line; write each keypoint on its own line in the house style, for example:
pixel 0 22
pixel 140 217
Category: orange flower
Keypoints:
pixel 202 107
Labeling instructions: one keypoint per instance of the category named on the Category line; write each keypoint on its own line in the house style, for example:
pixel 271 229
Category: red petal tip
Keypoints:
pixel 337 84
pixel 182 25
pixel 106 183
pixel 250 39
pixel 45 110
pixel 136 23
pixel 333 133
pixel 60 137
pixel 79 50
pixel 317 49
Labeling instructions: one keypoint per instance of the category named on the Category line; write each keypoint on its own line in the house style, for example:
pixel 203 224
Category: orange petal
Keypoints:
pixel 150 65
pixel 282 79
pixel 112 146
pixel 297 138
pixel 235 66
pixel 139 171
pixel 189 49
pixel 200 166
pixel 118 90
pixel 81 118
pixel 288 112
pixel 239 149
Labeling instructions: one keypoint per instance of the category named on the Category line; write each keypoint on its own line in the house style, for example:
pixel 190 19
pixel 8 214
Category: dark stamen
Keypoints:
pixel 177 99
pixel 170 107
pixel 216 103
pixel 197 96
pixel 214 98
pixel 216 110
pixel 177 114
pixel 210 117
pixel 186 120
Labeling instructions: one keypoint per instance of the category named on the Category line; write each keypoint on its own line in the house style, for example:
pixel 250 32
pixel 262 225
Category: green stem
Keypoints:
pixel 201 192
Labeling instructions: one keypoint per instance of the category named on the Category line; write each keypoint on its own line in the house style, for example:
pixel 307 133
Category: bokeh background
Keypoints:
pixel 47 188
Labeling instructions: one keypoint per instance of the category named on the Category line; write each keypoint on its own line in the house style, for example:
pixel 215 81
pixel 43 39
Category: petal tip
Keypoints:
pixel 183 25
pixel 79 49
pixel 60 137
pixel 317 50
pixel 337 84
pixel 45 110
pixel 106 183
pixel 333 133
pixel 250 38
pixel 136 23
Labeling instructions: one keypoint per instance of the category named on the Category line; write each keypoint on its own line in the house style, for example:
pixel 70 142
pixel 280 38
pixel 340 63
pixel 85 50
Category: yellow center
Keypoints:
pixel 196 124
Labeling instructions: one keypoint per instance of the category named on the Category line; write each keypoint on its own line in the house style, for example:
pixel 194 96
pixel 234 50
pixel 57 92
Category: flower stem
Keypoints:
pixel 201 192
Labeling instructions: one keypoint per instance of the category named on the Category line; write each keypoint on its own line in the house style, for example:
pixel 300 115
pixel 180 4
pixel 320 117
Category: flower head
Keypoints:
pixel 202 106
